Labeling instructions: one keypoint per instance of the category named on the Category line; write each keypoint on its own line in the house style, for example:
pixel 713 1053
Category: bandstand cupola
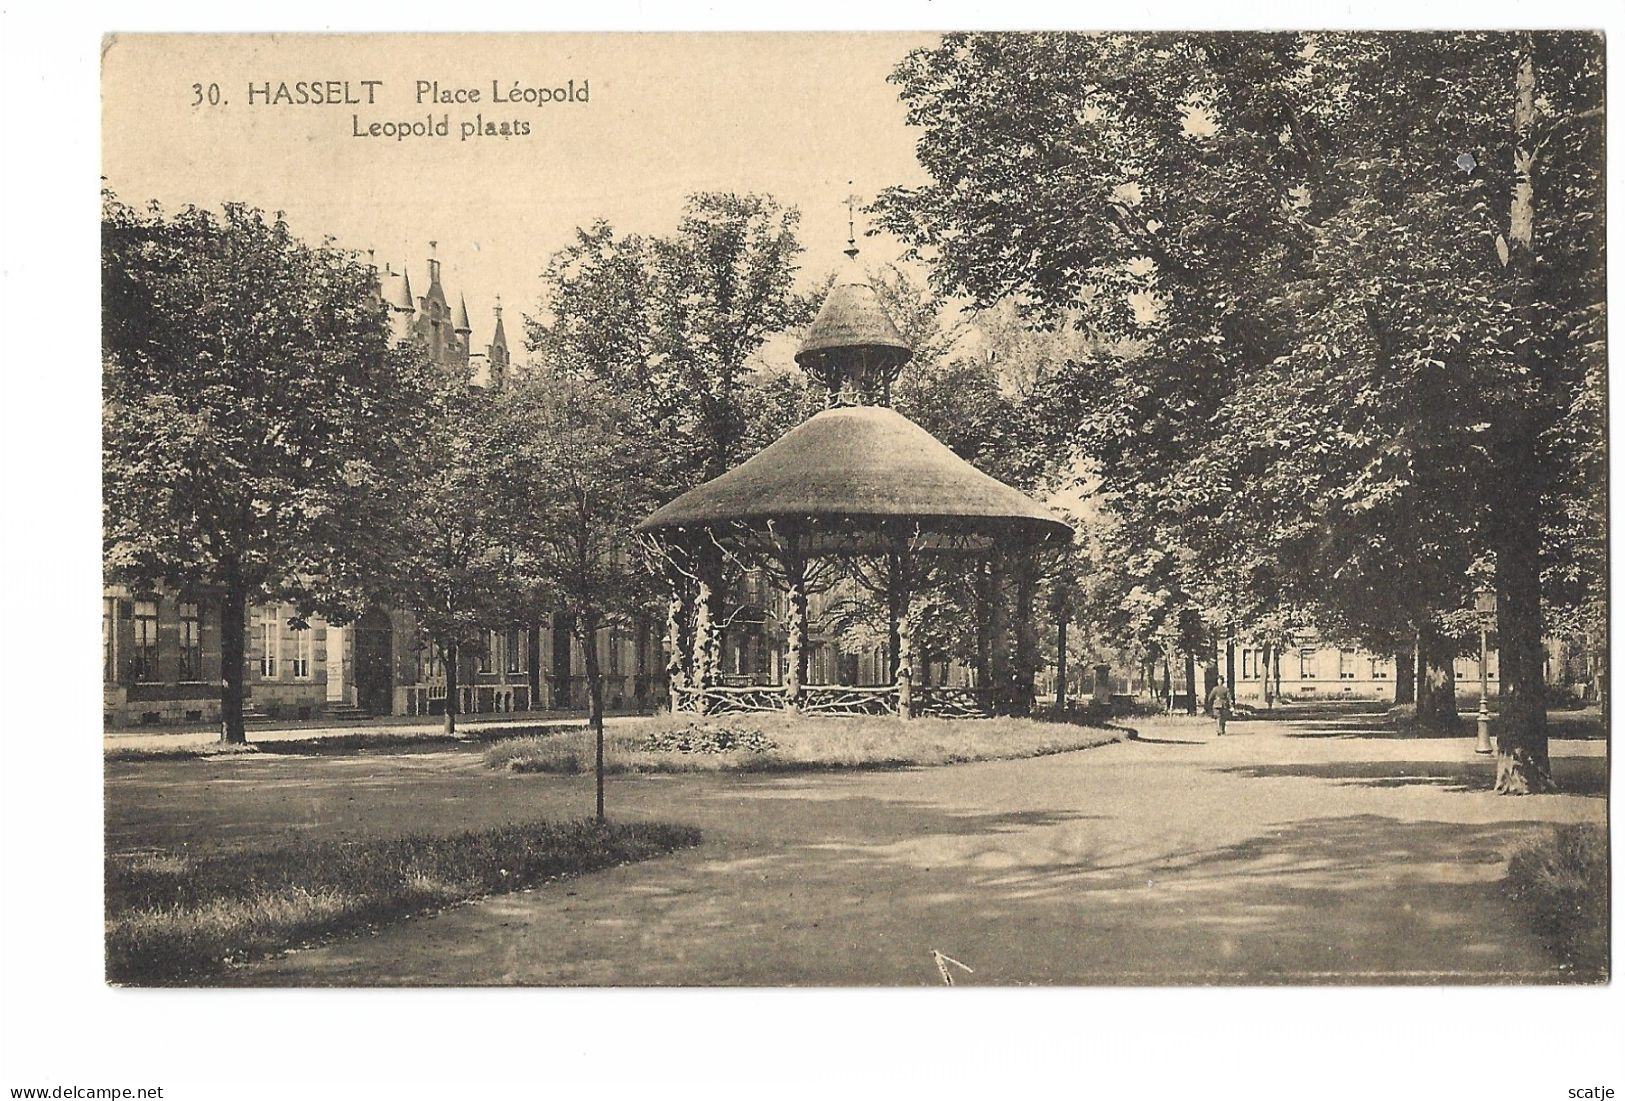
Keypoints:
pixel 853 350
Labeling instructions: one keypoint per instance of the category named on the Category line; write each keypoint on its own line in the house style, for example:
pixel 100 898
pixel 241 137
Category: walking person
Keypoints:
pixel 1219 703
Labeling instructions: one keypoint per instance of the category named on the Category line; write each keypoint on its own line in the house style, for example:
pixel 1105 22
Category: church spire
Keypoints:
pixel 496 352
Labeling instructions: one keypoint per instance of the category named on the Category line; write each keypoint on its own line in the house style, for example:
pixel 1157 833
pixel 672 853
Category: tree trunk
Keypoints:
pixel 1230 662
pixel 1264 656
pixel 1523 766
pixel 1060 660
pixel 1404 677
pixel 1167 683
pixel 595 700
pixel 1422 686
pixel 1435 679
pixel 452 689
pixel 1190 684
pixel 1276 672
pixel 640 676
pixel 233 628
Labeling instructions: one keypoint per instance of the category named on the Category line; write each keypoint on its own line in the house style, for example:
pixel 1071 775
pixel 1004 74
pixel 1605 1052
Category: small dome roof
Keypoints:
pixel 852 317
pixel 861 462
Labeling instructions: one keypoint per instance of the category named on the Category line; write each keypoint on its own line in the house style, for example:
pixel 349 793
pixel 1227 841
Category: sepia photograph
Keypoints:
pixel 1014 483
pixel 850 509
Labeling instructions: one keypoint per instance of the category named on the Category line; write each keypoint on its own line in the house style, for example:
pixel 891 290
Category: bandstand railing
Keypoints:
pixel 723 698
pixel 953 702
pixel 816 699
pixel 849 699
pixel 939 701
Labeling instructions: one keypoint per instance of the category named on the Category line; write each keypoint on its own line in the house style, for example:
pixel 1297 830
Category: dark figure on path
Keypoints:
pixel 1219 702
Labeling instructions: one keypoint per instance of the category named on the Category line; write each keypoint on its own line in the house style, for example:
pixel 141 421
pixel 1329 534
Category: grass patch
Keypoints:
pixel 784 743
pixel 1559 881
pixel 176 916
pixel 176 752
pixel 358 741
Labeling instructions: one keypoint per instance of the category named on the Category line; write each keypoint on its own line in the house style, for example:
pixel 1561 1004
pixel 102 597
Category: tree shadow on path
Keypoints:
pixel 1583 776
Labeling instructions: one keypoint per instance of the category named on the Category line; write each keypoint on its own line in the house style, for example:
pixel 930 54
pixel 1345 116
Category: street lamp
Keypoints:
pixel 1484 604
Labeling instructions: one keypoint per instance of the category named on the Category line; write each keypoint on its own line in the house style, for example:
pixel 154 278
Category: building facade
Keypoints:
pixel 1316 671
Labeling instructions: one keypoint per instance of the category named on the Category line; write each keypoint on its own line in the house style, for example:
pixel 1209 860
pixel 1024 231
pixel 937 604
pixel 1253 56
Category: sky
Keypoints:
pixel 793 115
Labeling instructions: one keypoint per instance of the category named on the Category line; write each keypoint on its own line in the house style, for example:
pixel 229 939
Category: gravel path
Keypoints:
pixel 1286 852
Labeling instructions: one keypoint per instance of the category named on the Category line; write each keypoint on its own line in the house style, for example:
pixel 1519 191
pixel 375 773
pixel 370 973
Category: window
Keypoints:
pixel 302 647
pixel 1249 664
pixel 1461 668
pixel 516 649
pixel 1306 664
pixel 270 641
pixel 191 642
pixel 614 648
pixel 1345 664
pixel 144 661
pixel 1379 668
pixel 110 608
pixel 487 643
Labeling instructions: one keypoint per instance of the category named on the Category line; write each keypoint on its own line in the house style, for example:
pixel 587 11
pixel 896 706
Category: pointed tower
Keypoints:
pixel 436 320
pixel 496 352
pixel 396 291
pixel 853 348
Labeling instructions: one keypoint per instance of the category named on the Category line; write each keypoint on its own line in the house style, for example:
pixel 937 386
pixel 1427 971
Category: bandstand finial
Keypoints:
pixel 851 249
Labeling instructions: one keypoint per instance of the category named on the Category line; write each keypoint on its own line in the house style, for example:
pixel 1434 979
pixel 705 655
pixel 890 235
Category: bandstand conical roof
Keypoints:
pixel 861 463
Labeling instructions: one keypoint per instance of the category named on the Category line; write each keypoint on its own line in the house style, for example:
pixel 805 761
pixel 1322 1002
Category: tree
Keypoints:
pixel 1551 135
pixel 1339 332
pixel 254 417
pixel 453 561
pixel 669 326
pixel 1140 191
pixel 578 483
pixel 670 323
pixel 1482 315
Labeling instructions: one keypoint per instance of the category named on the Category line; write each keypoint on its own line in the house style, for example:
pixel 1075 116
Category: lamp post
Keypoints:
pixel 1484 604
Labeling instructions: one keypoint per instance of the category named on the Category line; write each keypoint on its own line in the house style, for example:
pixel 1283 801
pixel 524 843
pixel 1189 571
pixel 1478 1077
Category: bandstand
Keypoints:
pixel 860 487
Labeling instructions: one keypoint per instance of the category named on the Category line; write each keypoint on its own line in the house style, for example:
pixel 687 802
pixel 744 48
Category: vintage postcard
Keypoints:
pixel 854 509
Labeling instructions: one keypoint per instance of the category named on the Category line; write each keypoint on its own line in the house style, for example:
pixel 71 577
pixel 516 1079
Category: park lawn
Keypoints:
pixel 1559 882
pixel 773 743
pixel 178 916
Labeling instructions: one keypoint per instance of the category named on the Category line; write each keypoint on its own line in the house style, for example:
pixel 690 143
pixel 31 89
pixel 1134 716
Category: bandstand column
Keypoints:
pixel 899 595
pixel 677 613
pixel 794 563
pixel 1025 641
pixel 982 596
pixel 998 627
pixel 705 646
